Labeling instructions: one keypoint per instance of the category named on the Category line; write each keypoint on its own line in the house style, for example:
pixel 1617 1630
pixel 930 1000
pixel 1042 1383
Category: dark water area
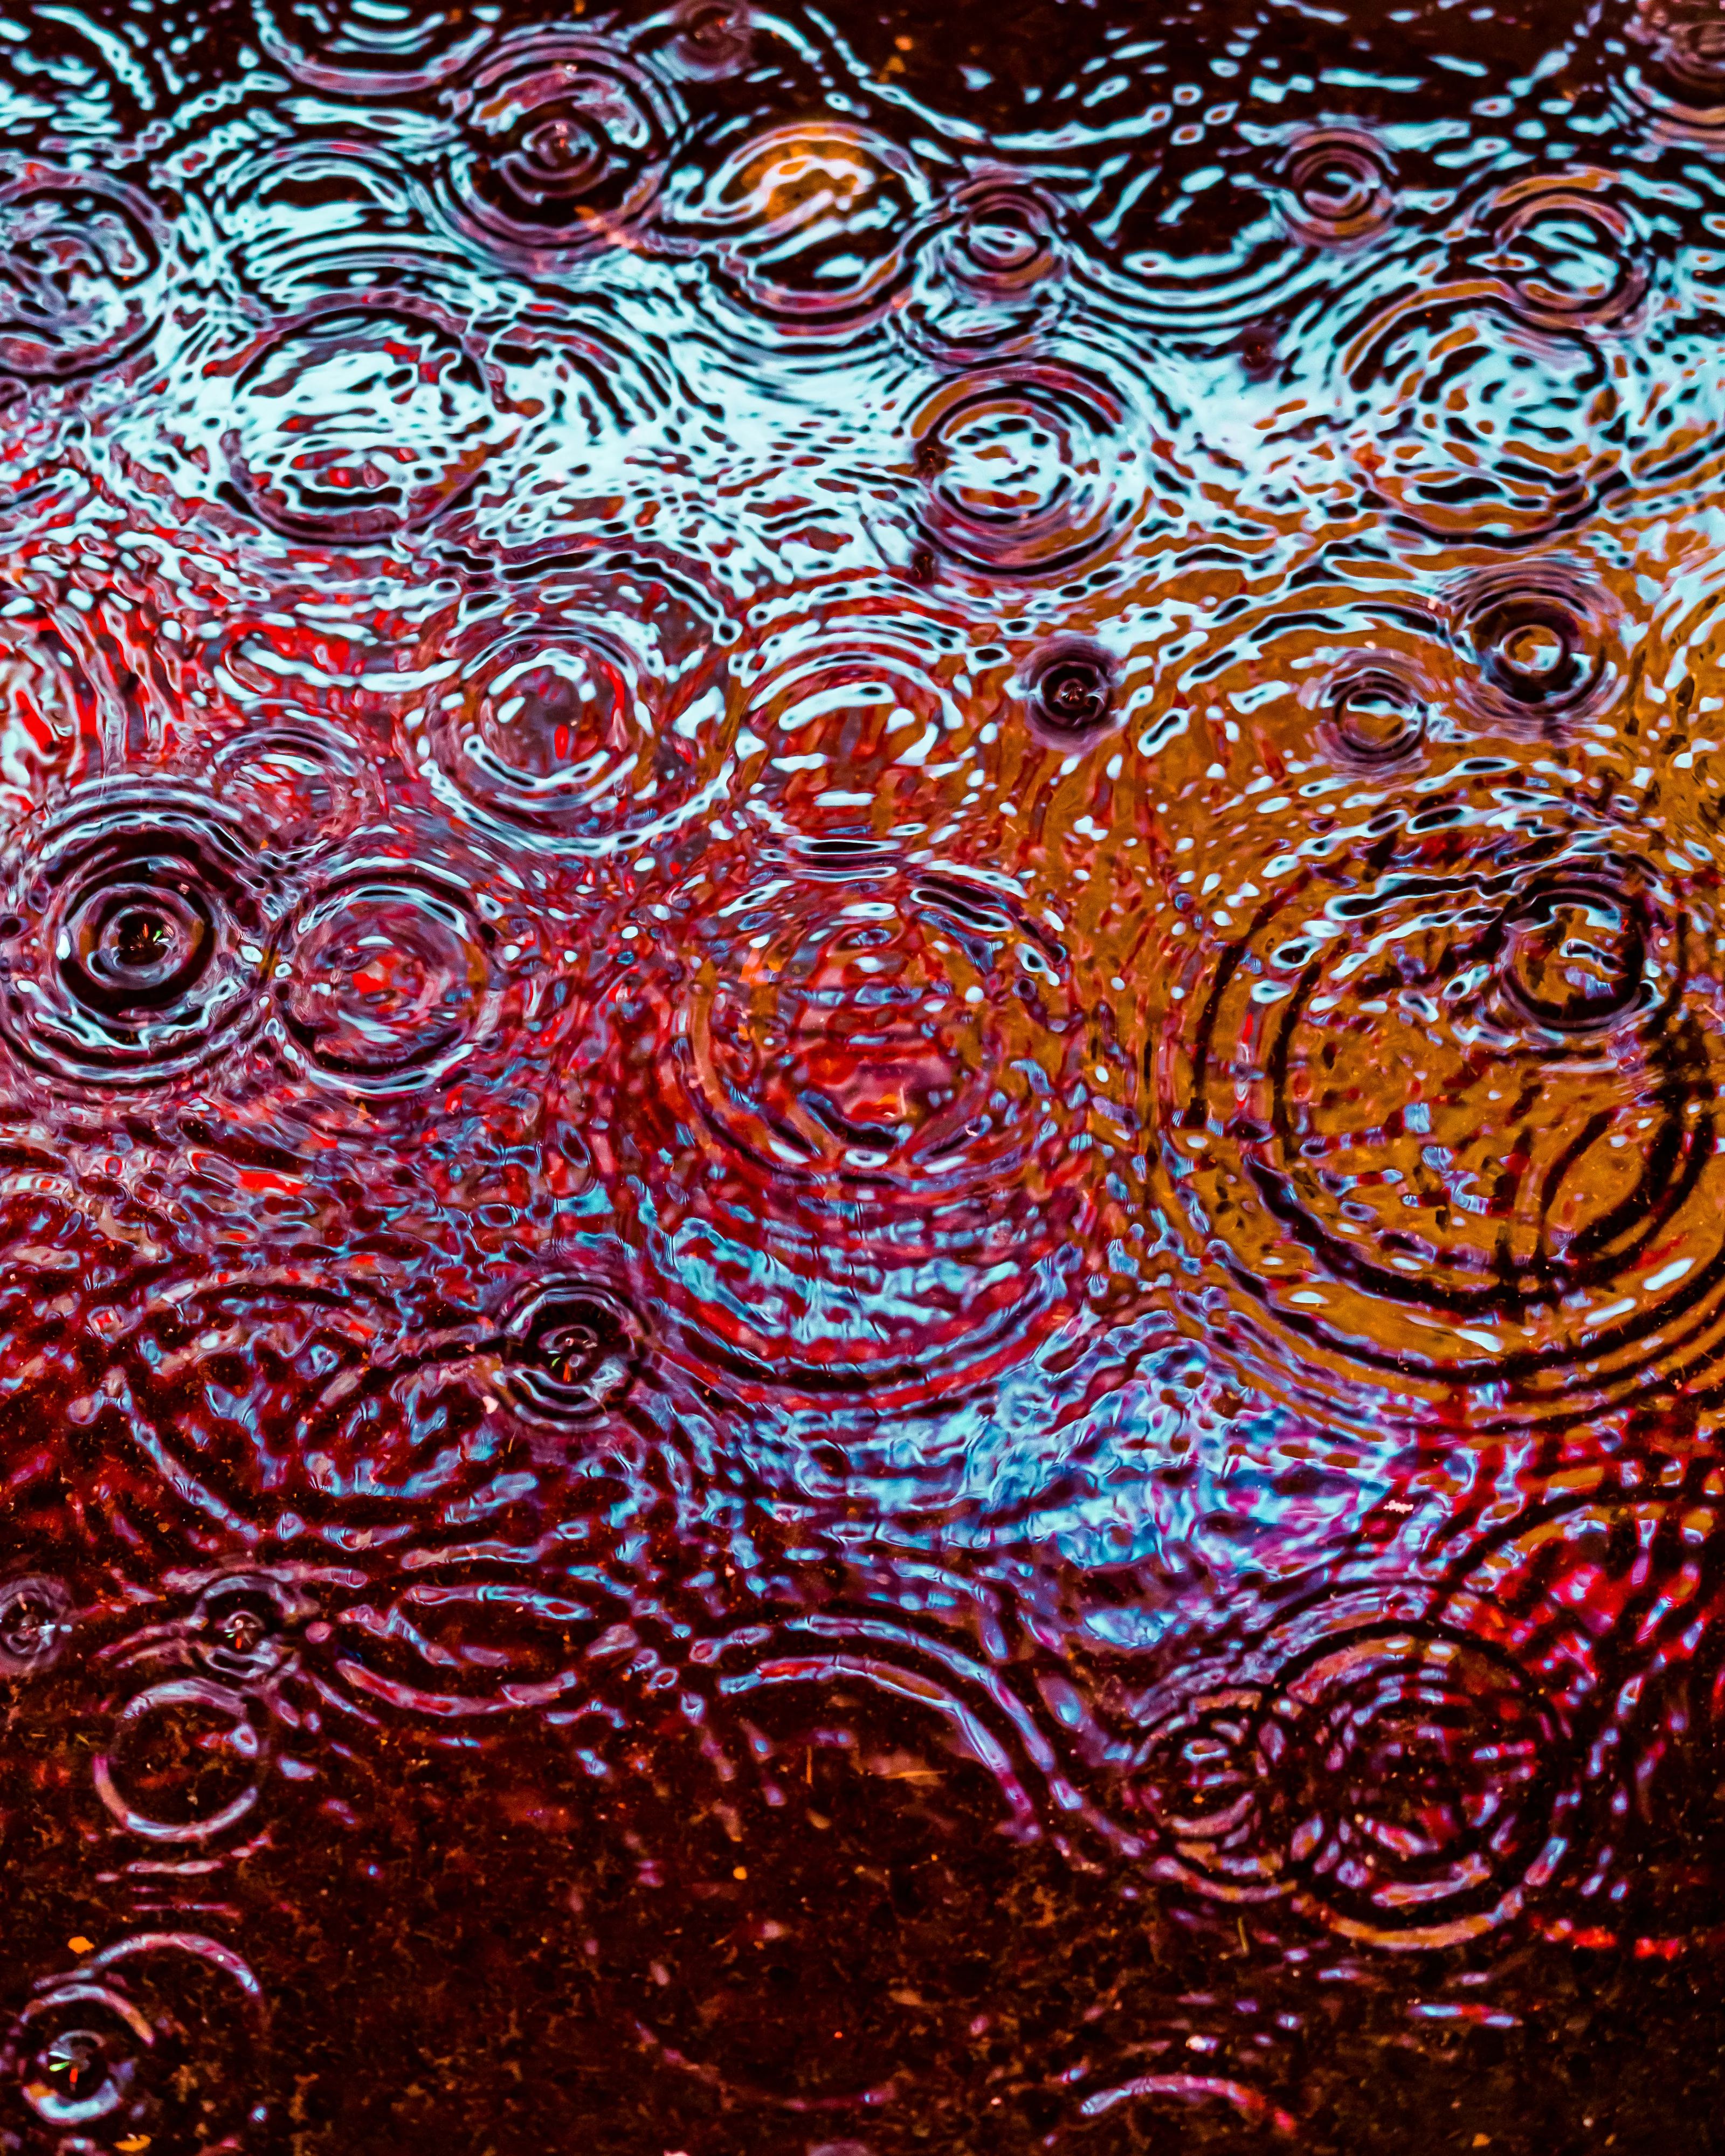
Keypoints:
pixel 862 997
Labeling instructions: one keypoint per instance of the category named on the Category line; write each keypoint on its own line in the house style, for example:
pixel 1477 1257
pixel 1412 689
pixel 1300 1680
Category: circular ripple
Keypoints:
pixel 1678 73
pixel 882 1189
pixel 1151 2109
pixel 36 1621
pixel 1536 646
pixel 318 216
pixel 384 50
pixel 592 718
pixel 1376 710
pixel 138 939
pixel 1396 1764
pixel 289 1405
pixel 1370 682
pixel 1030 470
pixel 1420 1769
pixel 1567 255
pixel 1070 692
pixel 80 263
pixel 305 783
pixel 804 226
pixel 1200 1784
pixel 356 422
pixel 852 704
pixel 705 40
pixel 1616 1595
pixel 864 1039
pixel 243 1628
pixel 573 1350
pixel 564 146
pixel 1462 437
pixel 988 278
pixel 186 1761
pixel 145 2043
pixel 836 1751
pixel 1446 1105
pixel 1339 190
pixel 392 981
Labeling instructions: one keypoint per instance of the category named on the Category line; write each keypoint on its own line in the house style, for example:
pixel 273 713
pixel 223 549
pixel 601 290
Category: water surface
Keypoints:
pixel 860 1023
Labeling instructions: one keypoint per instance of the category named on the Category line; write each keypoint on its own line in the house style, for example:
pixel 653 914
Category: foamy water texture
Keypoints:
pixel 862 999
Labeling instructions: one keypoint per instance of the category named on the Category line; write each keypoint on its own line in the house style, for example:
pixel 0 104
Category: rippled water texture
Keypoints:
pixel 862 1010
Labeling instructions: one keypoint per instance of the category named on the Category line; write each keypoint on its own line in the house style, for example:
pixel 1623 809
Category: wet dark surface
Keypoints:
pixel 861 1018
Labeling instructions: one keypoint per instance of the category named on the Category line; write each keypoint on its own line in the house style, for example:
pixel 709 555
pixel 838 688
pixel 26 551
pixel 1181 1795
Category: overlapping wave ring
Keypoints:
pixel 860 1023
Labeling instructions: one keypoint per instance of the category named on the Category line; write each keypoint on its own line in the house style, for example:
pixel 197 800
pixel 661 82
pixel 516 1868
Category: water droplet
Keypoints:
pixel 1340 190
pixel 141 924
pixel 573 1348
pixel 1071 692
pixel 36 1620
pixel 564 147
pixel 1377 714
